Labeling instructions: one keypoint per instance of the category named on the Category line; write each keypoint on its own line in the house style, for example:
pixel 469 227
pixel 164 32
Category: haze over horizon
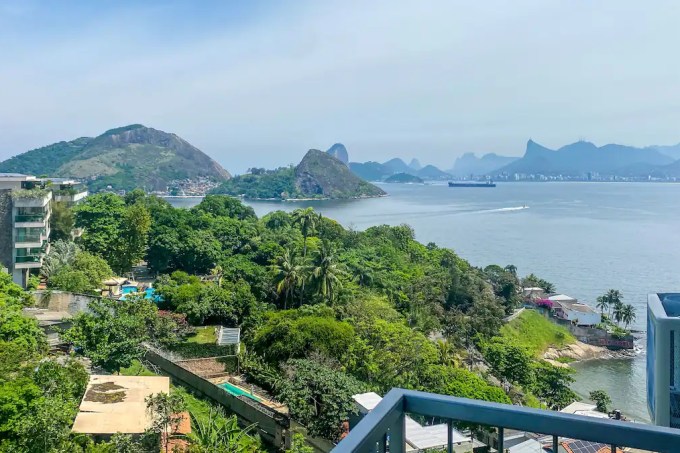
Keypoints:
pixel 257 84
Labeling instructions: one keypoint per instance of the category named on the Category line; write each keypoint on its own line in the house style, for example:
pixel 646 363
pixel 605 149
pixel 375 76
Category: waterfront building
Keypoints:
pixel 663 358
pixel 25 209
pixel 570 309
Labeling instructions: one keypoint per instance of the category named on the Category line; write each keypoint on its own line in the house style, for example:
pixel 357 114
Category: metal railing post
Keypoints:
pixel 449 436
pixel 556 444
pixel 398 435
pixel 501 440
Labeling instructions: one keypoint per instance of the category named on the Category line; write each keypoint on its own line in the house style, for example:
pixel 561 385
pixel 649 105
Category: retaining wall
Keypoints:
pixel 72 303
pixel 272 427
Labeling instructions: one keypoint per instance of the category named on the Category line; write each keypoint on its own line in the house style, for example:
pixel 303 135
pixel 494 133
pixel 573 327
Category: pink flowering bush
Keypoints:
pixel 544 303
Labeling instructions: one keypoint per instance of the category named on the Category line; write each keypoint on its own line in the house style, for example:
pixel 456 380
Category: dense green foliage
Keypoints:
pixel 325 312
pixel 115 230
pixel 111 333
pixel 262 184
pixel 404 178
pixel 81 273
pixel 39 396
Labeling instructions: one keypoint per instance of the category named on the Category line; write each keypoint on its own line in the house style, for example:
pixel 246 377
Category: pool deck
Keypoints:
pixel 261 396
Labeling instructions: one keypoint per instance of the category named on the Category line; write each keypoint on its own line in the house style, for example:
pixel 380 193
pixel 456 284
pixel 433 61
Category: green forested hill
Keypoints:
pixel 318 175
pixel 125 158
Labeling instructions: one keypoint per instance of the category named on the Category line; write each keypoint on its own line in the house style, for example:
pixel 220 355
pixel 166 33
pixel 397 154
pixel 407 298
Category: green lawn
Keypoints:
pixel 203 335
pixel 136 369
pixel 536 333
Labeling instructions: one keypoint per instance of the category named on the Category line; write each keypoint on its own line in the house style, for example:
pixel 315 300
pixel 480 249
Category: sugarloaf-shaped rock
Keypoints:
pixel 123 158
pixel 339 152
pixel 322 175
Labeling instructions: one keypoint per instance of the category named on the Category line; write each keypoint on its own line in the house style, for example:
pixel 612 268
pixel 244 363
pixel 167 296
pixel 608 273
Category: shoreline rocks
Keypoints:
pixel 579 352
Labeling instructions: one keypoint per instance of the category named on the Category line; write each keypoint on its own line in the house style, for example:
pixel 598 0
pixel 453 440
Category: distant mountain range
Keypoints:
pixel 375 171
pixel 469 164
pixel 584 157
pixel 124 158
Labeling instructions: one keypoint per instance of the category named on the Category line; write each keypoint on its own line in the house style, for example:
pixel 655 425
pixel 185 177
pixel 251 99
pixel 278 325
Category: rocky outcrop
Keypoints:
pixel 339 151
pixel 321 175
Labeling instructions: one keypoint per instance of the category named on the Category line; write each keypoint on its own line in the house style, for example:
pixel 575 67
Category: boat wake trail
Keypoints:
pixel 515 208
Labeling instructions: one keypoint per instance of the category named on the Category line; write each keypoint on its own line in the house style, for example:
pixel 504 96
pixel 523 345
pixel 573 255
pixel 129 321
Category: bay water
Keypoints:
pixel 584 237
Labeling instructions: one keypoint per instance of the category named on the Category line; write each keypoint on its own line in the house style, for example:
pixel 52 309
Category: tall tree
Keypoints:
pixel 100 216
pixel 628 314
pixel 111 332
pixel 134 231
pixel 288 275
pixel 614 299
pixel 62 221
pixel 327 273
pixel 602 304
pixel 307 220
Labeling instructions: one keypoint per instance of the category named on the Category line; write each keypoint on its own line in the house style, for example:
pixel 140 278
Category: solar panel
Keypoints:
pixel 583 446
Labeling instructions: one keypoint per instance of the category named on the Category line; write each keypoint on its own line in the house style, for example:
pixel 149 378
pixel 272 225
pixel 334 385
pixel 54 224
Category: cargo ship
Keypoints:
pixel 472 184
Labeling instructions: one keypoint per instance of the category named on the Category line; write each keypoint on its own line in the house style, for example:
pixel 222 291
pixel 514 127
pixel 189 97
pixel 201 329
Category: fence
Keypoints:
pixel 272 426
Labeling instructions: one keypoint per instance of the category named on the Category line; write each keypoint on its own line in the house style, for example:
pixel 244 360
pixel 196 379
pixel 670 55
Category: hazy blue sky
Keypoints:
pixel 257 83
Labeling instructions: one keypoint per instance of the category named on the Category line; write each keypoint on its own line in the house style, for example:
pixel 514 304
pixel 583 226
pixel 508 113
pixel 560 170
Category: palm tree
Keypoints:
pixel 618 311
pixel 447 353
pixel 628 314
pixel 327 272
pixel 602 304
pixel 288 274
pixel 307 219
pixel 220 433
pixel 62 253
pixel 614 297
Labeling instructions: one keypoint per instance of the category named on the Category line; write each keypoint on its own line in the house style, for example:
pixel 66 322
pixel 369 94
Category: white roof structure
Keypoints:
pixel 367 401
pixel 424 437
pixel 579 408
pixel 418 437
pixel 116 404
pixel 528 446
pixel 561 298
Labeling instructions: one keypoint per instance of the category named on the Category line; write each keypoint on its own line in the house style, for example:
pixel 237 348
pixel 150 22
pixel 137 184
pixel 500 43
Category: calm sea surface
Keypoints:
pixel 583 237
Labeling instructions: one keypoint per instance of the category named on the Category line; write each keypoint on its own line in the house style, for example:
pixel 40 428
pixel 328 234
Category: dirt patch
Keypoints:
pixel 106 387
pixel 204 367
pixel 106 393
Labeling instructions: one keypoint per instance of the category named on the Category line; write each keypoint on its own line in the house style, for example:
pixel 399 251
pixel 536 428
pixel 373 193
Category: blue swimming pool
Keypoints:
pixel 149 293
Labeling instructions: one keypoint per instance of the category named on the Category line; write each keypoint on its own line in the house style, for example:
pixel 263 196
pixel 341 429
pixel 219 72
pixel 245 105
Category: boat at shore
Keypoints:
pixel 472 184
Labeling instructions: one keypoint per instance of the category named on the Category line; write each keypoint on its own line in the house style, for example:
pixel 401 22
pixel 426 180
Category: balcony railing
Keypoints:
pixel 382 429
pixel 29 218
pixel 29 238
pixel 28 259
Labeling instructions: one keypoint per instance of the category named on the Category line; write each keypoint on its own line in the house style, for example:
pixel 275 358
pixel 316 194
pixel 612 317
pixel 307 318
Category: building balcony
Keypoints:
pixel 383 428
pixel 35 198
pixel 28 262
pixel 70 195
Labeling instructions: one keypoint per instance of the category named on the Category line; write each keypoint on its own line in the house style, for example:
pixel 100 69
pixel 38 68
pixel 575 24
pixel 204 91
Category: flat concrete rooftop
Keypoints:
pixel 115 404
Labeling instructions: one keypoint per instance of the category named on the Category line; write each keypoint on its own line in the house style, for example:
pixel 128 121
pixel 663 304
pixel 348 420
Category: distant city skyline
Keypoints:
pixel 258 83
